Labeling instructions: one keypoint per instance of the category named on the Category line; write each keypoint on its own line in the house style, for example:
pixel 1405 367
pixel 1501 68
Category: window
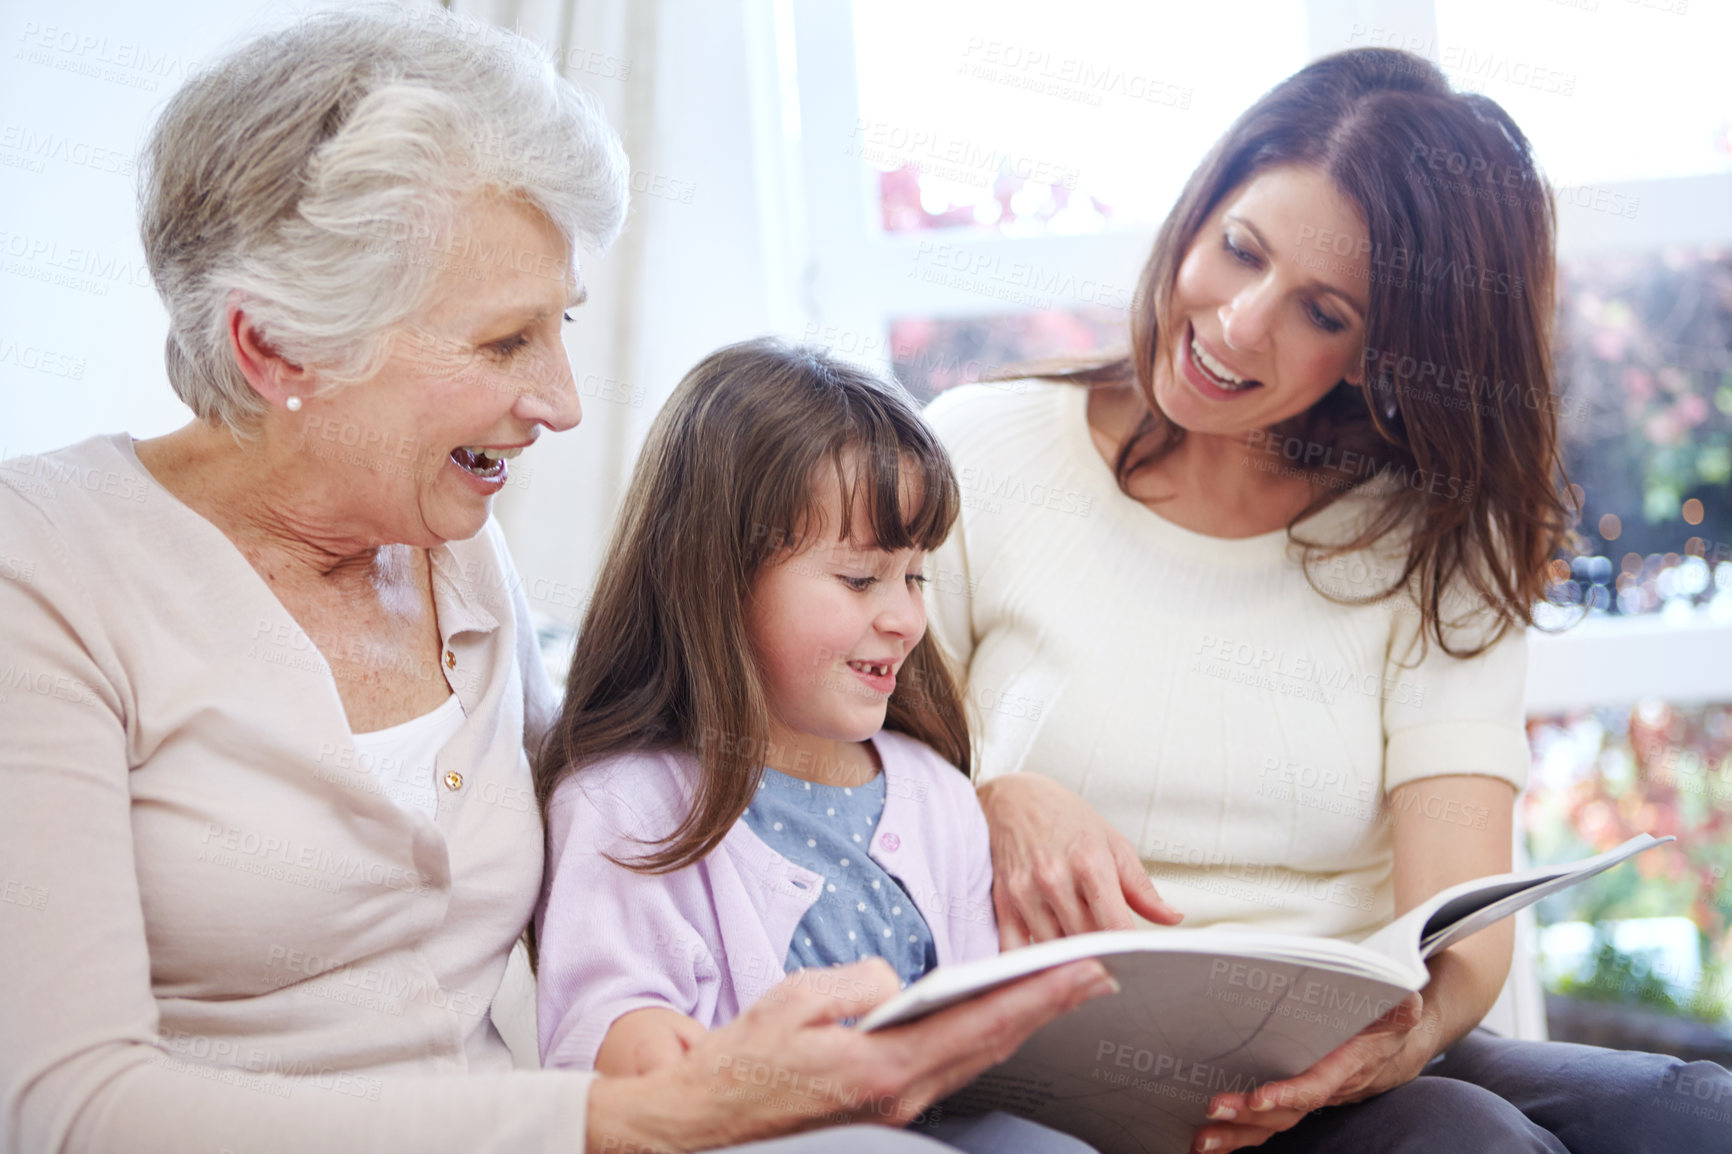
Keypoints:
pixel 986 115
pixel 980 191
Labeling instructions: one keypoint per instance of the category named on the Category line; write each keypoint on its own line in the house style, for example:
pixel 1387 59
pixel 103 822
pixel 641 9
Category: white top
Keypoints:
pixel 1238 726
pixel 216 932
pixel 401 758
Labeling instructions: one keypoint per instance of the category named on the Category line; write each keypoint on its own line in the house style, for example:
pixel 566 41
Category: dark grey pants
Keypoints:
pixel 1492 1094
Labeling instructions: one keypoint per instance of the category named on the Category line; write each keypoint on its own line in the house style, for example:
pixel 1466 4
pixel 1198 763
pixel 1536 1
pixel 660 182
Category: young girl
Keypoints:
pixel 762 762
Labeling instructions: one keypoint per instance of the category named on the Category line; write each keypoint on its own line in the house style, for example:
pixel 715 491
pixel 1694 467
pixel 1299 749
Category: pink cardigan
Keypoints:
pixel 709 940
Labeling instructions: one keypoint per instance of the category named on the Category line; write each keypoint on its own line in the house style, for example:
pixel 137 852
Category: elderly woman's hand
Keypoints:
pixel 786 1065
pixel 1058 867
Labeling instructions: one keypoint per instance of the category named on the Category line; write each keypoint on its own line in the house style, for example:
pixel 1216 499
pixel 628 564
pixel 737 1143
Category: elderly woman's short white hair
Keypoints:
pixel 315 170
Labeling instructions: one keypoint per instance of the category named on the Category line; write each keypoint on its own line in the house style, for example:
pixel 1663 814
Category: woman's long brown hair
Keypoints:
pixel 1458 372
pixel 729 482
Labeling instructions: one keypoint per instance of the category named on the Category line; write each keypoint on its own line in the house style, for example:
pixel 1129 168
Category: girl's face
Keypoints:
pixel 830 627
pixel 1266 314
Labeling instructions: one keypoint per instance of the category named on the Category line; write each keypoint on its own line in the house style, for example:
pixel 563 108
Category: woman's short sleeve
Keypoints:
pixel 1452 715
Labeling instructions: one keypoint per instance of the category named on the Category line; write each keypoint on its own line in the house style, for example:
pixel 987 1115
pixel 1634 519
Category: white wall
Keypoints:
pixel 81 329
pixel 704 261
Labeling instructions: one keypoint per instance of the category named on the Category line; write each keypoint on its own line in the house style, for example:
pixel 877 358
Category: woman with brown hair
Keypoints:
pixel 1242 611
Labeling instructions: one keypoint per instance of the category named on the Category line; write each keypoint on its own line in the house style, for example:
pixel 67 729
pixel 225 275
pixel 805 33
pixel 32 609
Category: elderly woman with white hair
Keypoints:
pixel 269 836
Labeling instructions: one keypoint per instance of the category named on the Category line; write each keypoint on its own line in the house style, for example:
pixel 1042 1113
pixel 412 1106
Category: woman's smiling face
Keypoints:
pixel 481 366
pixel 1264 320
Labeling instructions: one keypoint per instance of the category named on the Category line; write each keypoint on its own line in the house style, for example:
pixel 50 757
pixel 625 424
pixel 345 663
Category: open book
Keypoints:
pixel 1202 1012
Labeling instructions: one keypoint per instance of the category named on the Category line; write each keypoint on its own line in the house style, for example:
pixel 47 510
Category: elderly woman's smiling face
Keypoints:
pixel 417 450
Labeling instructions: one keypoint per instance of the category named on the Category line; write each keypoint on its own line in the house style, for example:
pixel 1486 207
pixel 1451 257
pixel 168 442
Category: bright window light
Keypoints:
pixel 1035 119
pixel 1607 90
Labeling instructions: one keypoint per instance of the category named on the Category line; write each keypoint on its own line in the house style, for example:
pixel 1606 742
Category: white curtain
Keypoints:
pixel 708 255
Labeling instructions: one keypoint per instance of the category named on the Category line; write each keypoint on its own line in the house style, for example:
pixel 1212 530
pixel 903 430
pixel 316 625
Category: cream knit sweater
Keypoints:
pixel 1239 727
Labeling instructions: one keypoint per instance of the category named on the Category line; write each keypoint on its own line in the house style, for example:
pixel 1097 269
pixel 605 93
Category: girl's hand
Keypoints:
pixel 645 1040
pixel 1389 1052
pixel 785 1065
pixel 1058 867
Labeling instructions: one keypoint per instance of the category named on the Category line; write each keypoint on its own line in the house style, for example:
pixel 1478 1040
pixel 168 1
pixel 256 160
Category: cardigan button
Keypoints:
pixel 450 660
pixel 453 780
pixel 889 841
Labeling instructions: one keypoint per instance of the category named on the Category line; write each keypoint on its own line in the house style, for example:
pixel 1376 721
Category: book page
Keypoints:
pixel 1467 913
pixel 1464 909
pixel 1133 1073
pixel 948 985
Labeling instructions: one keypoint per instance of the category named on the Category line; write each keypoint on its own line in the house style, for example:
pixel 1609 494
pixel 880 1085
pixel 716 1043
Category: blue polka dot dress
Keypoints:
pixel 863 912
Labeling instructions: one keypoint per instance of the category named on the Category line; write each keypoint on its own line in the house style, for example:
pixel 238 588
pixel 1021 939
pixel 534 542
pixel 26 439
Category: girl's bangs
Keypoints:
pixel 878 477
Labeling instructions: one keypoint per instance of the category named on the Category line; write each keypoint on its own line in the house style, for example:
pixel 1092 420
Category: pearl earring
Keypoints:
pixel 293 404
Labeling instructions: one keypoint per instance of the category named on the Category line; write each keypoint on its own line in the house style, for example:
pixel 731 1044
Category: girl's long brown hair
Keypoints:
pixel 1458 372
pixel 729 482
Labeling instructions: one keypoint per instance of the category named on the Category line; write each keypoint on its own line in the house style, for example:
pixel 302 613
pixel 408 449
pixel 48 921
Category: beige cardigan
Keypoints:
pixel 216 933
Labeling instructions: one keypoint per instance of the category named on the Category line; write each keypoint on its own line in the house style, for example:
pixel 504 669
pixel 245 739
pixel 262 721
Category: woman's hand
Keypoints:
pixel 785 1064
pixel 1430 855
pixel 1388 1053
pixel 1058 867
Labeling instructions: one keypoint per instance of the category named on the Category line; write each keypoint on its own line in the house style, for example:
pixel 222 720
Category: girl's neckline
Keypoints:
pixel 878 769
pixel 824 785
